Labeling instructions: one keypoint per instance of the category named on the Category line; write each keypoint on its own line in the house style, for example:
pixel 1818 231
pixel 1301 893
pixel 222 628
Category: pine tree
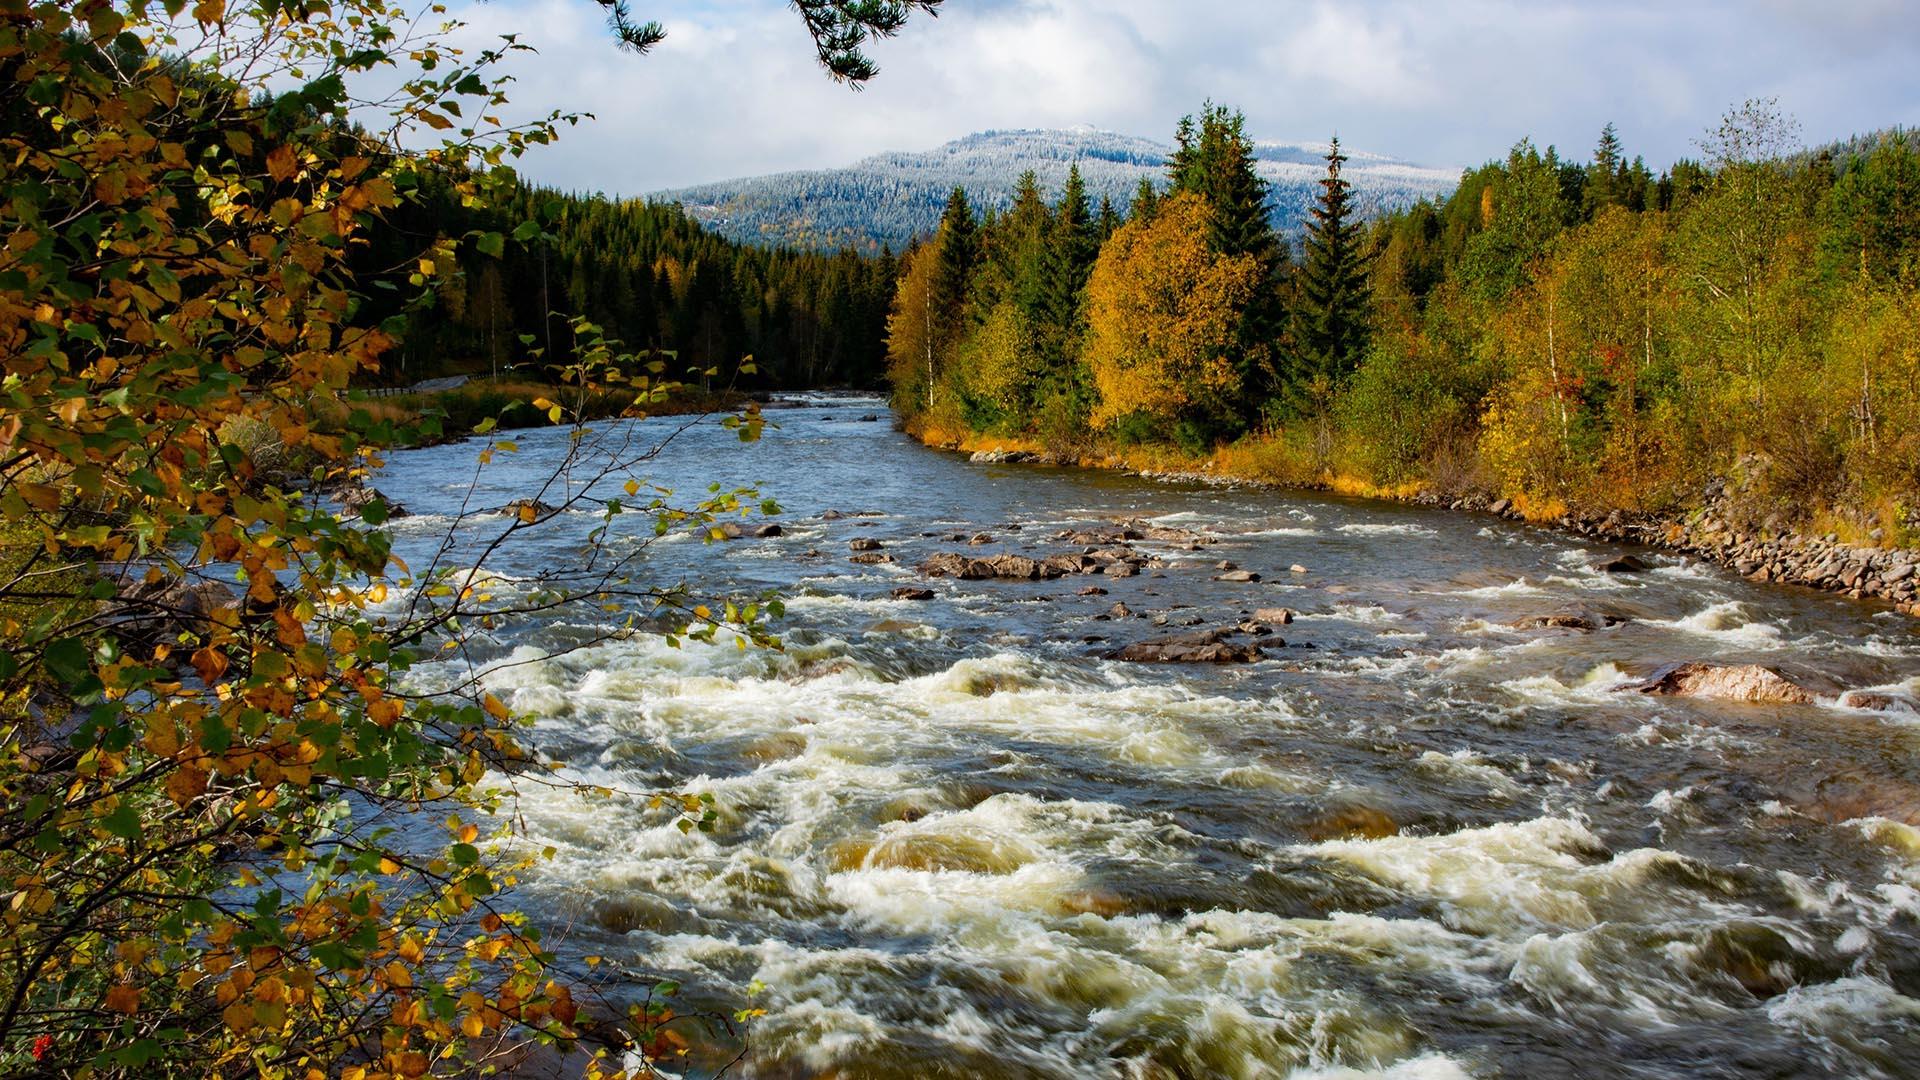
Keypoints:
pixel 1072 245
pixel 1330 322
pixel 1017 251
pixel 1146 198
pixel 1108 219
pixel 1607 181
pixel 959 246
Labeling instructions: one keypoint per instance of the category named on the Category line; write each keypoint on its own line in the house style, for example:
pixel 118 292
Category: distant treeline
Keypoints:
pixel 1566 333
pixel 646 275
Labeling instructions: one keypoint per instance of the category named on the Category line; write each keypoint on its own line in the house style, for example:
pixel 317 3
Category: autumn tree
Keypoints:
pixel 1214 160
pixel 915 334
pixel 196 782
pixel 1163 319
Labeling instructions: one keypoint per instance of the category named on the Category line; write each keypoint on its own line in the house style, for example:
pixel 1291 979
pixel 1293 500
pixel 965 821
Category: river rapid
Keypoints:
pixel 1416 841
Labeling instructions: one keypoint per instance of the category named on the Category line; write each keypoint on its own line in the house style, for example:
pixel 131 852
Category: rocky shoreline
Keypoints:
pixel 1886 575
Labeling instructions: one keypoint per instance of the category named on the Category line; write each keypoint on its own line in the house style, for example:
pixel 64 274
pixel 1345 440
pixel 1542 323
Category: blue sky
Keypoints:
pixel 734 90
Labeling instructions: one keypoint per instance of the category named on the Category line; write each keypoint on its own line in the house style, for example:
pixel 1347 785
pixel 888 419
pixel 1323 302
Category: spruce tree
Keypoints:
pixel 1607 176
pixel 1072 245
pixel 953 274
pixel 1107 221
pixel 1145 198
pixel 1330 321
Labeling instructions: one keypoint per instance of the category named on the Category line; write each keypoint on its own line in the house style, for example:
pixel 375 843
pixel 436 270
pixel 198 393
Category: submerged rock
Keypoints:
pixel 1624 564
pixel 1879 701
pixel 1205 647
pixel 1750 683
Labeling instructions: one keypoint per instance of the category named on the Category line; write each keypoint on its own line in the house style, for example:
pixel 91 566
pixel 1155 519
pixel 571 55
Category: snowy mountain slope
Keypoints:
pixel 893 197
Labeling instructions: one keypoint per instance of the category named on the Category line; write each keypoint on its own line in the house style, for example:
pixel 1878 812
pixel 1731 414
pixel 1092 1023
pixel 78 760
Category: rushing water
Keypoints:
pixel 955 840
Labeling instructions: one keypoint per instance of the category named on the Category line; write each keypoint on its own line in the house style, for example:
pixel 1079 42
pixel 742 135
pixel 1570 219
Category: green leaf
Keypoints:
pixel 491 243
pixel 67 660
pixel 124 822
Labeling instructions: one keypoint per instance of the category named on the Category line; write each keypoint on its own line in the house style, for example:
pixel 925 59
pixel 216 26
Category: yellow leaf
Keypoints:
pixel 633 488
pixel 494 708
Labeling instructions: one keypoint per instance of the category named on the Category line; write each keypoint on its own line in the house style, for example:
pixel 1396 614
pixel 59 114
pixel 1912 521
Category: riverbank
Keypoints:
pixel 1888 575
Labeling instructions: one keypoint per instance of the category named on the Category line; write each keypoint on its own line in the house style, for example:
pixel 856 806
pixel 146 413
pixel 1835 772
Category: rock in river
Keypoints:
pixel 1204 647
pixel 1727 682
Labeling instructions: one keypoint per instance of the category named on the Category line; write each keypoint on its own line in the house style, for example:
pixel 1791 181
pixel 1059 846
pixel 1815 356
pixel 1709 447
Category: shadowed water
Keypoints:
pixel 1416 841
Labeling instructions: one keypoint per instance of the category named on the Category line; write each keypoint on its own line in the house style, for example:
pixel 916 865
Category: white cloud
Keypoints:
pixel 735 90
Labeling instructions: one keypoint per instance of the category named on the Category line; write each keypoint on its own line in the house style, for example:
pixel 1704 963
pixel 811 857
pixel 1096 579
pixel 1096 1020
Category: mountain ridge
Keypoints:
pixel 890 198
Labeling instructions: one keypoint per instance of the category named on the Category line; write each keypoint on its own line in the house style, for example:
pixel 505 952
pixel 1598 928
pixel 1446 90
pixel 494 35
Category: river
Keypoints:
pixel 1416 841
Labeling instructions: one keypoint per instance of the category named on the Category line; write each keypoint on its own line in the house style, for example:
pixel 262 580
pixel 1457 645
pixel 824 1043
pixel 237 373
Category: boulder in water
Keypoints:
pixel 1570 620
pixel 870 558
pixel 864 544
pixel 530 510
pixel 1204 647
pixel 1879 701
pixel 769 530
pixel 161 610
pixel 1241 577
pixel 912 592
pixel 354 501
pixel 1276 616
pixel 1750 683
pixel 1625 564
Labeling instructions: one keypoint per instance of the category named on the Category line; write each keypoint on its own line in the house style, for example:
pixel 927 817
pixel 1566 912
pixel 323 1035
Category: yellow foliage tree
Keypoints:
pixel 192 882
pixel 1162 316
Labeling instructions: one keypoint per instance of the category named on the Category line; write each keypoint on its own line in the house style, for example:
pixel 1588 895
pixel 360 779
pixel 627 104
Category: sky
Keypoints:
pixel 735 90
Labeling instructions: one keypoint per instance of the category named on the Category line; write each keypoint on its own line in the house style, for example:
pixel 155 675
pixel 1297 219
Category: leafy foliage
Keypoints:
pixel 209 742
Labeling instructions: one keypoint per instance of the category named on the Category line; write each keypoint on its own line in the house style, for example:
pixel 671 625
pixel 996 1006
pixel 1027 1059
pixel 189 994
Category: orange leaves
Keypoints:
pixel 209 663
pixel 42 497
pixel 281 164
pixel 385 711
pixel 185 785
pixel 123 999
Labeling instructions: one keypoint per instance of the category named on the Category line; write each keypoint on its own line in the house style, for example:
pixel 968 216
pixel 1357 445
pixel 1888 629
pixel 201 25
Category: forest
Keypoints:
pixel 642 272
pixel 1561 333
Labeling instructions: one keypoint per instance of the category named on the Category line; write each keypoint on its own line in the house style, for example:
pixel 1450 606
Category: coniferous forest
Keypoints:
pixel 646 275
pixel 1560 331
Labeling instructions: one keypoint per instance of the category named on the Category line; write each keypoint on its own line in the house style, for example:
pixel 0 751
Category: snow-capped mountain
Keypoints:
pixel 894 197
